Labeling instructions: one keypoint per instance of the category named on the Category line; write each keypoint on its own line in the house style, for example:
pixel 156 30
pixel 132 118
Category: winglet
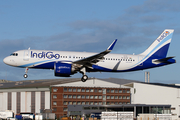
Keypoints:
pixel 112 45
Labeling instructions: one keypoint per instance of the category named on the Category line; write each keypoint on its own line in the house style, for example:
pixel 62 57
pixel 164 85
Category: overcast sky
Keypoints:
pixel 91 26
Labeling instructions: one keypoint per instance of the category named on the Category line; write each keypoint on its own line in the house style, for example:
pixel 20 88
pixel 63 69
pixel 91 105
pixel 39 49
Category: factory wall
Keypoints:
pixel 25 100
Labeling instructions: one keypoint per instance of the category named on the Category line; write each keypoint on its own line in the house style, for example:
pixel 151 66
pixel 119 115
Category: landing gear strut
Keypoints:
pixel 25 75
pixel 84 77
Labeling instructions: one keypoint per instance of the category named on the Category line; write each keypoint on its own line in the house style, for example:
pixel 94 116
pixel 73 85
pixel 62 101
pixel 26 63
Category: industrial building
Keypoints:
pixel 62 95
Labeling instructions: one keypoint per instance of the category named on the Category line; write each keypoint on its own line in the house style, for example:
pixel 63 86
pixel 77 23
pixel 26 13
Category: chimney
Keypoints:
pixel 147 77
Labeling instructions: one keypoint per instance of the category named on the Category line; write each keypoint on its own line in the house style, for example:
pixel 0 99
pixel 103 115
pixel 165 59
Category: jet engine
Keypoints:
pixel 63 69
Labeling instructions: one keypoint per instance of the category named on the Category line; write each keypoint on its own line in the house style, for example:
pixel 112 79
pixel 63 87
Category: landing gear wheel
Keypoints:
pixel 25 75
pixel 84 78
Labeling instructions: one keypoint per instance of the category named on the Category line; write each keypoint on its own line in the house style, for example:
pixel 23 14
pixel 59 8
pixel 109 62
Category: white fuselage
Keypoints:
pixel 34 58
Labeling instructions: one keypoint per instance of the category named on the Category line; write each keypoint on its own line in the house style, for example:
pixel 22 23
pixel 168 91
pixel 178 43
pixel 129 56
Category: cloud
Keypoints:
pixel 154 6
pixel 137 27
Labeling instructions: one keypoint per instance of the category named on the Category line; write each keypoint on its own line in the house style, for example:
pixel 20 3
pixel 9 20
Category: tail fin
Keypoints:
pixel 159 47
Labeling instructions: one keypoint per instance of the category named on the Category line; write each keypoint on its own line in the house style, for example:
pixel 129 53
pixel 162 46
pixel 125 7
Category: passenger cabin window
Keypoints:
pixel 14 54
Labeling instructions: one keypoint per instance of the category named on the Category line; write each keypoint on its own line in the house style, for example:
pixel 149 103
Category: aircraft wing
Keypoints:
pixel 89 61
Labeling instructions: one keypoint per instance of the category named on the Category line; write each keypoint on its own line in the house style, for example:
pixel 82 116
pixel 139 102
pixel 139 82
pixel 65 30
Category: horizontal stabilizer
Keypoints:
pixel 164 60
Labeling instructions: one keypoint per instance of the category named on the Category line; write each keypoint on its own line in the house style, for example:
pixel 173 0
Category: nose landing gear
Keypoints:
pixel 26 71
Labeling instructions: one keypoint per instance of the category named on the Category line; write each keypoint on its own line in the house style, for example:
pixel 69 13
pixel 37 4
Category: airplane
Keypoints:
pixel 66 63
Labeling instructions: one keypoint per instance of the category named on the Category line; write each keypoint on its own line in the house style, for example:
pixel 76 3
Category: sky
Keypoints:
pixel 91 26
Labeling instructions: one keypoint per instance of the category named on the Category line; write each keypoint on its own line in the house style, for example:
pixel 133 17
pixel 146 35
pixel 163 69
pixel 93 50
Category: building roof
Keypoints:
pixel 95 82
pixel 35 83
pixel 110 82
pixel 157 84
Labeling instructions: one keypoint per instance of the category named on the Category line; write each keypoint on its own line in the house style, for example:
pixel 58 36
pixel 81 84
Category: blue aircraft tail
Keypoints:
pixel 160 46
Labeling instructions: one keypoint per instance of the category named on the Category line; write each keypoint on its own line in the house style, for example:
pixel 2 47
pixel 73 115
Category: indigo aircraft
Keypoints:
pixel 67 63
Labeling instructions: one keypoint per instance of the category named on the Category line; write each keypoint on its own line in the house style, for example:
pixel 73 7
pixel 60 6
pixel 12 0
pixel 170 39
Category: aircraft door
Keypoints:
pixel 26 55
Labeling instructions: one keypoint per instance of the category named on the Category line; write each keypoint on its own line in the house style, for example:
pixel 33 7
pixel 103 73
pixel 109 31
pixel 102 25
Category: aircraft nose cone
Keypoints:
pixel 7 61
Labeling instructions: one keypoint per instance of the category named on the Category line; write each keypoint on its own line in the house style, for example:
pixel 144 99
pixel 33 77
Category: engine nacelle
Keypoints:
pixel 63 69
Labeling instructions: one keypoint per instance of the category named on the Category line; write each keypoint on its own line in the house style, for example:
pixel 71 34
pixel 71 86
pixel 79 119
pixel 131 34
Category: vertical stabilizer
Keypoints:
pixel 159 47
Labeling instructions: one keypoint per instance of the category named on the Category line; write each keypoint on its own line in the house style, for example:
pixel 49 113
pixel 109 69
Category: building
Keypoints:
pixel 156 93
pixel 116 94
pixel 30 96
pixel 92 92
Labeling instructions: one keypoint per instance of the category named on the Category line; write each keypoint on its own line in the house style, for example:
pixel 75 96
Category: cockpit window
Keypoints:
pixel 14 54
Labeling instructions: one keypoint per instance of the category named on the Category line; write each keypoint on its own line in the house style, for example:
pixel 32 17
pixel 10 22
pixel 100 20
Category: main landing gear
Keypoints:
pixel 84 77
pixel 25 75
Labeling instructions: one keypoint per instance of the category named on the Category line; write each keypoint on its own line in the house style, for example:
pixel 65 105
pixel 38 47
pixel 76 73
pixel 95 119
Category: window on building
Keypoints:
pixel 91 103
pixel 128 91
pixel 87 90
pixel 124 97
pixel 116 97
pixel 55 89
pixel 112 91
pixel 70 89
pixel 83 90
pixel 91 90
pixel 100 90
pixel 100 97
pixel 94 108
pixel 95 103
pixel 83 103
pixel 116 103
pixel 104 91
pixel 95 97
pixel 120 97
pixel 74 96
pixel 54 103
pixel 65 109
pixel 120 91
pixel 104 103
pixel 104 97
pixel 69 103
pixel 108 97
pixel 87 96
pixel 74 103
pixel 87 108
pixel 100 103
pixel 78 96
pixel 102 108
pixel 128 97
pixel 112 103
pixel 124 91
pixel 65 96
pixel 69 96
pixel 95 90
pixel 65 103
pixel 120 103
pixel 108 90
pixel 74 89
pixel 112 97
pixel 65 89
pixel 108 103
pixel 54 96
pixel 78 90
pixel 91 97
pixel 78 103
pixel 87 103
pixel 116 91
pixel 83 96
